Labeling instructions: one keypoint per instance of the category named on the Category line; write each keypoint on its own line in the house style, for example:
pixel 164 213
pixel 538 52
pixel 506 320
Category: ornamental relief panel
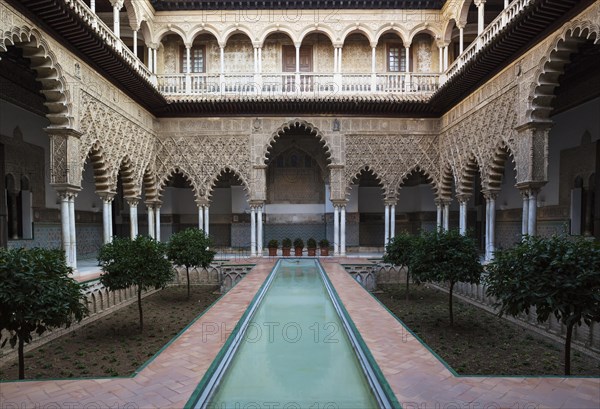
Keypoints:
pixel 202 158
pixel 118 138
pixel 391 158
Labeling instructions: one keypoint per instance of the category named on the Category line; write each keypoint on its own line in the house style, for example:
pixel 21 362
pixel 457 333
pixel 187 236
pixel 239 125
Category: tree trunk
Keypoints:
pixel 568 348
pixel 187 273
pixel 407 280
pixel 21 359
pixel 450 303
pixel 139 293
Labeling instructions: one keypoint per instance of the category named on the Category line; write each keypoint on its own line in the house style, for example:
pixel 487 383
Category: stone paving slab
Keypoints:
pixel 417 377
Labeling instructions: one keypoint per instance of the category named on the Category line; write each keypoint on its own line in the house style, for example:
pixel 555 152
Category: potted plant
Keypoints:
pixel 324 246
pixel 298 246
pixel 286 245
pixel 311 245
pixel 273 244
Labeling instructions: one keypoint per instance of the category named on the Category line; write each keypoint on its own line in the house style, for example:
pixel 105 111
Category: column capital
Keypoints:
pixel 338 45
pixel 530 187
pixel 340 203
pixel 106 196
pixel 490 194
pixel 257 203
pixel 373 44
pixel 153 46
pixel 118 4
pixel 479 3
pixel 390 202
pixel 461 25
pixel 187 45
pixel 133 201
pixel 66 190
pixel 202 202
pixel 463 197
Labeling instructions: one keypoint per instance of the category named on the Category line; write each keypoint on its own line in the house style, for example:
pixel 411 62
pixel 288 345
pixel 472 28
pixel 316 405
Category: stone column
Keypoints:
pixel 438 206
pixel 337 66
pixel 446 215
pixel 157 221
pixel 441 57
pixel 480 15
pixel 445 57
pixel 135 43
pixel 252 232
pixel 386 217
pixel 155 60
pixel 525 214
pixel 342 230
pixel 107 199
pixel 72 230
pixel 133 216
pixel 462 218
pixel 407 83
pixel 461 39
pixel 188 70
pixel 151 229
pixel 200 217
pixel 93 6
pixel 490 200
pixel 150 63
pixel 392 221
pixel 117 5
pixel 336 230
pixel 65 222
pixel 373 68
pixel 532 216
pixel 222 67
pixel 206 220
pixel 259 231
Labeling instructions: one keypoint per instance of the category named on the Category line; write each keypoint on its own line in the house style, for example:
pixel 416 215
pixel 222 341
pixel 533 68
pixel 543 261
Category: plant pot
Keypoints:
pixel 285 251
pixel 298 251
pixel 272 251
pixel 312 252
pixel 324 251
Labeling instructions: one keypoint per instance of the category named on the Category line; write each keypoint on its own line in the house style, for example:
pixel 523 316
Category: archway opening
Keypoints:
pixel 370 207
pixel 229 212
pixel 415 206
pixel 297 204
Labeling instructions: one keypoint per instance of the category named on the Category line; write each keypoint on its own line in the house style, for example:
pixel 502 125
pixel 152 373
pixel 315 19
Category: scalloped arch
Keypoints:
pixel 467 176
pixel 49 73
pixel 223 170
pixel 97 158
pixel 496 165
pixel 162 180
pixel 367 168
pixel 126 169
pixel 419 169
pixel 296 123
pixel 552 65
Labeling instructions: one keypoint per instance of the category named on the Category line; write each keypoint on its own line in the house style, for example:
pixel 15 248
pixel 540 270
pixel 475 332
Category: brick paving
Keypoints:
pixel 416 376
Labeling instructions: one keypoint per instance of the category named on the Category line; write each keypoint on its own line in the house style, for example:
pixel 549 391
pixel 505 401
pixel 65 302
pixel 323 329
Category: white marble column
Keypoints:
pixel 438 222
pixel 336 230
pixel 135 43
pixel 133 217
pixel 490 201
pixel 151 229
pixel 72 230
pixel 392 221
pixel 252 232
pixel 487 230
pixel 445 57
pixel 222 67
pixel 446 216
pixel 259 231
pixel 407 82
pixel 117 5
pixel 206 220
pixel 461 39
pixel 106 219
pixel 525 213
pixel 441 57
pixel 342 230
pixel 532 217
pixel 157 222
pixel 155 60
pixel 150 60
pixel 373 68
pixel 65 221
pixel 462 218
pixel 188 68
pixel 386 217
pixel 200 217
pixel 480 15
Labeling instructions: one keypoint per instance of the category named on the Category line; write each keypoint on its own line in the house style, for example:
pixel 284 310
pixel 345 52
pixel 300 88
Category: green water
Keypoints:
pixel 295 353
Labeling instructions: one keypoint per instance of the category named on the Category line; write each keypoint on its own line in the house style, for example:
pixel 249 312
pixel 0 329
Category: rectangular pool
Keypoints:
pixel 294 351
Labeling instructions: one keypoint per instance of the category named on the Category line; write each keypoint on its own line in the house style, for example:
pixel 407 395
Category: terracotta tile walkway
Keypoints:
pixel 418 379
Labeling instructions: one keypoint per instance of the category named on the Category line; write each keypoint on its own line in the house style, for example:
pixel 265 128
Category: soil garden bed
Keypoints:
pixel 479 343
pixel 113 345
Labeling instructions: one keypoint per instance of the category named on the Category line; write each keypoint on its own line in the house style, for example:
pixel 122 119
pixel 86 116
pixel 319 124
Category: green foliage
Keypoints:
pixel 400 249
pixel 324 243
pixel 399 252
pixel 556 275
pixel 286 243
pixel 273 244
pixel 446 256
pixel 298 242
pixel 311 243
pixel 37 294
pixel 141 262
pixel 190 248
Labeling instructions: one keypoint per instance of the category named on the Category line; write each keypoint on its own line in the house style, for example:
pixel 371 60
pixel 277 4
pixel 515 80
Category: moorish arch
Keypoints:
pixel 552 66
pixel 96 157
pixel 297 124
pixel 163 180
pixel 49 72
pixel 126 173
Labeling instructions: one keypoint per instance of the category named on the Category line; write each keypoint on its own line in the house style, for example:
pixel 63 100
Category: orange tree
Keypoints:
pixel 141 263
pixel 556 275
pixel 399 252
pixel 190 248
pixel 36 294
pixel 446 256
